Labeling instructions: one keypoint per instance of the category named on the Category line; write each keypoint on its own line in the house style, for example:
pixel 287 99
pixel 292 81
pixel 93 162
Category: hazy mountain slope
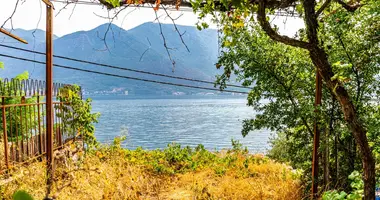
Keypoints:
pixel 139 48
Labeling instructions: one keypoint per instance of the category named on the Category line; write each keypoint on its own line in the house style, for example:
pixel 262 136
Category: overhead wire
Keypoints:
pixel 122 76
pixel 123 68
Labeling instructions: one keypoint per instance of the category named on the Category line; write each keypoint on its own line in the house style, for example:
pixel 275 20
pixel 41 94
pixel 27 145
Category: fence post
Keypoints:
pixel 39 125
pixel 60 132
pixel 5 136
pixel 23 134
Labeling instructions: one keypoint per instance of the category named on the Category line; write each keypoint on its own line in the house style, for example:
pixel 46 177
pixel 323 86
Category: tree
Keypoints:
pixel 318 45
pixel 313 42
pixel 284 77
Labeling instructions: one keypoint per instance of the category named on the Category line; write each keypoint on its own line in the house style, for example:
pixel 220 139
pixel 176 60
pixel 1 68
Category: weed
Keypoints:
pixel 111 172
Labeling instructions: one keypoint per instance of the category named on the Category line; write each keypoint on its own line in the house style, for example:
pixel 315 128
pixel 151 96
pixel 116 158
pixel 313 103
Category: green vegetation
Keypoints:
pixel 14 115
pixel 76 115
pixel 340 43
pixel 343 45
pixel 22 195
pixel 111 172
pixel 357 192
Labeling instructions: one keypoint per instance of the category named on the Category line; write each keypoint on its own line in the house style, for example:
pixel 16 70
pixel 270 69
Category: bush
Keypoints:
pixel 357 186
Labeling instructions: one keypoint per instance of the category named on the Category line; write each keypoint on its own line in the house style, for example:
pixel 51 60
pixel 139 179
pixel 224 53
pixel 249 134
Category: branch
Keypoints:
pixel 274 4
pixel 34 39
pixel 176 28
pixel 277 4
pixel 265 25
pixel 323 7
pixel 150 45
pixel 10 17
pixel 350 8
pixel 289 95
pixel 125 16
pixel 111 19
pixel 288 91
pixel 176 3
pixel 354 70
pixel 63 8
pixel 311 24
pixel 164 39
pixel 72 11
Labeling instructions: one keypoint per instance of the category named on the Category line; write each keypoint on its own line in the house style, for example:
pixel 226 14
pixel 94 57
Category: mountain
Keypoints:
pixel 36 36
pixel 140 48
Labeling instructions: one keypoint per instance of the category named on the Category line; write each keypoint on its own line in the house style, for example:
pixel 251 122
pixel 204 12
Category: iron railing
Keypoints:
pixel 23 121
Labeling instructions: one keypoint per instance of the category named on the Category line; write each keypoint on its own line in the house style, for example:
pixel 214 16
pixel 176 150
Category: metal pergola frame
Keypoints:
pixel 49 103
pixel 12 36
pixel 49 94
pixel 49 87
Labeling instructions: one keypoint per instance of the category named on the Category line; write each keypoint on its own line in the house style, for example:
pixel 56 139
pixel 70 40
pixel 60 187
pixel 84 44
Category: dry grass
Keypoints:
pixel 114 173
pixel 2 155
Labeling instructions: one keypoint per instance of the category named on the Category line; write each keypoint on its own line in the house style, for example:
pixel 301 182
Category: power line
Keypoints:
pixel 126 77
pixel 122 68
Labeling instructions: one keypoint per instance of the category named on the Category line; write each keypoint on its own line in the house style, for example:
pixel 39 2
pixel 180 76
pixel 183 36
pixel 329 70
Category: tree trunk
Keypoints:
pixel 319 59
pixel 352 151
pixel 324 68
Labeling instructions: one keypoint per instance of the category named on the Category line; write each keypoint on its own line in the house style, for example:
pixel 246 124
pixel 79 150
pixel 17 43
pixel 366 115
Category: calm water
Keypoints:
pixel 153 123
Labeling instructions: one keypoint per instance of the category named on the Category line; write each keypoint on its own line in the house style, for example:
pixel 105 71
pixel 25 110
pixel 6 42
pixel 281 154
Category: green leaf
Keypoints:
pixel 114 3
pixel 205 25
pixel 353 197
pixel 1 65
pixel 23 76
pixel 342 195
pixel 353 175
pixel 22 195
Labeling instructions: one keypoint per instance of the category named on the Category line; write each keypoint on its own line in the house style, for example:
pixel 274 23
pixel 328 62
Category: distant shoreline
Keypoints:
pixel 124 97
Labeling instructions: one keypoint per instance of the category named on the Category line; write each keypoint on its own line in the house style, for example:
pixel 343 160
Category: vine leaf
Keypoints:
pixel 22 195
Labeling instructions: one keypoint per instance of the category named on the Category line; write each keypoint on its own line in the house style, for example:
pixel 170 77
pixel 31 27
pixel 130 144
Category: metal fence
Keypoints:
pixel 23 121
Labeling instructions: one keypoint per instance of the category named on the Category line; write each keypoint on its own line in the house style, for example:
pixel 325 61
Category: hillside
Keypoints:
pixel 124 49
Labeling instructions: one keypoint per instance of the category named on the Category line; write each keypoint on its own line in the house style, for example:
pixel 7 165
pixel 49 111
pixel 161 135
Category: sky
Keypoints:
pixel 31 14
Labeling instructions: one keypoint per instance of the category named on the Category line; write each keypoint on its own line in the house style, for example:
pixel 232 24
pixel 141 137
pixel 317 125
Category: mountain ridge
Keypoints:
pixel 139 48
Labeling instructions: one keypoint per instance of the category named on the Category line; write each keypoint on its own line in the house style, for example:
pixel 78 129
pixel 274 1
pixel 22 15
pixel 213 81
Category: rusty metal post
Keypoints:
pixel 318 99
pixel 60 132
pixel 49 95
pixel 5 134
pixel 39 125
pixel 13 36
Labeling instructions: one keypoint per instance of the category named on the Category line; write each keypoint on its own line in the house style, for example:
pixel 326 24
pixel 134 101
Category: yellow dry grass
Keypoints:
pixel 102 175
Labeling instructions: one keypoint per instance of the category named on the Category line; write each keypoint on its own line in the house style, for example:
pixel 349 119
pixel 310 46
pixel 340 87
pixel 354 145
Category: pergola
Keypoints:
pixel 49 87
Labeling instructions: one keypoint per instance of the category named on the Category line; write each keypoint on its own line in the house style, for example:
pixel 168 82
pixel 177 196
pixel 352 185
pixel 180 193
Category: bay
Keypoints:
pixel 154 123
